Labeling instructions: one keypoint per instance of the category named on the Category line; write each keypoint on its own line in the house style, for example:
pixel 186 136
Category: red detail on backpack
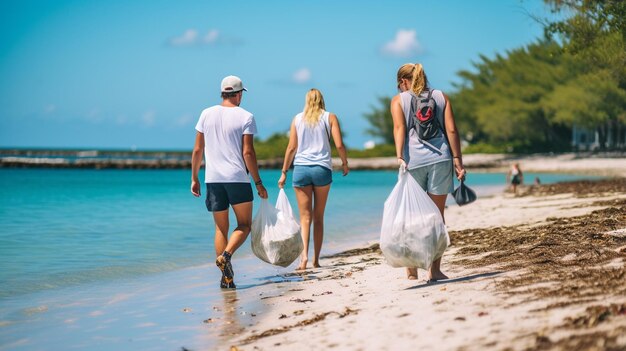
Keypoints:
pixel 422 117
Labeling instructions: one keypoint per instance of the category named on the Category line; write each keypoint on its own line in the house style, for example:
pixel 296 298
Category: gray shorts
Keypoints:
pixel 435 179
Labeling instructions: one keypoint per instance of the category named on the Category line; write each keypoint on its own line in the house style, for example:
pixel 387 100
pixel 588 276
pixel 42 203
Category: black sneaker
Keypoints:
pixel 225 285
pixel 227 270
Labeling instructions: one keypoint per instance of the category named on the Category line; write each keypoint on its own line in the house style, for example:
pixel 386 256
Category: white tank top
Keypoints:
pixel 313 142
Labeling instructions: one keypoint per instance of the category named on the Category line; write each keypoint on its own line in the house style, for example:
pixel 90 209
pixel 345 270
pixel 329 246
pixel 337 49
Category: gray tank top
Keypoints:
pixel 417 153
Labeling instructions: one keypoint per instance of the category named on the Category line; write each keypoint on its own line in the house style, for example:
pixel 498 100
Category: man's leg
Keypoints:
pixel 221 231
pixel 243 214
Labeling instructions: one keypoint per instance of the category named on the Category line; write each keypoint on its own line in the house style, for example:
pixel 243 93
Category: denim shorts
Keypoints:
pixel 311 175
pixel 436 178
pixel 220 195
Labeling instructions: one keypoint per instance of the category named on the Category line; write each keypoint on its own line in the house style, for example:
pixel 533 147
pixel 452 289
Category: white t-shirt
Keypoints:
pixel 223 129
pixel 313 142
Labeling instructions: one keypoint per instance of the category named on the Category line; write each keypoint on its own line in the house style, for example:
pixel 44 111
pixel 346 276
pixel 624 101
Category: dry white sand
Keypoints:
pixel 361 303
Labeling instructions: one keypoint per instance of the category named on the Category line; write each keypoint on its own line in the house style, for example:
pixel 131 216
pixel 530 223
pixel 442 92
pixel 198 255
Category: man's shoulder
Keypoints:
pixel 243 111
pixel 209 110
pixel 212 108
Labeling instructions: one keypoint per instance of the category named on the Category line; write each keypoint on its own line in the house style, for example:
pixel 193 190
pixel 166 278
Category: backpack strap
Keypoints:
pixel 430 92
pixel 326 121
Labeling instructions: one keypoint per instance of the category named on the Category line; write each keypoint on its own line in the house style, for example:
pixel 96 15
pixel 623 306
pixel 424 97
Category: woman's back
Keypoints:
pixel 313 141
pixel 417 153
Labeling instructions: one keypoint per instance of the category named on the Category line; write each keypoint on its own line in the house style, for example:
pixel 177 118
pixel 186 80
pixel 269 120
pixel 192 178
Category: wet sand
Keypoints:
pixel 541 271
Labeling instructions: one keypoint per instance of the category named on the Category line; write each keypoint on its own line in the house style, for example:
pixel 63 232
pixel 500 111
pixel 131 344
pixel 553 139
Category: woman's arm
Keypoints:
pixel 335 130
pixel 399 128
pixel 453 139
pixel 290 153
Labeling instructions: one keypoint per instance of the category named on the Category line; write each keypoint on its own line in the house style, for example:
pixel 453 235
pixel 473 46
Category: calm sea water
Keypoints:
pixel 61 228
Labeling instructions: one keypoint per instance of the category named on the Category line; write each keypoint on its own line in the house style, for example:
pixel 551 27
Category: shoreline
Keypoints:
pixel 492 300
pixel 605 164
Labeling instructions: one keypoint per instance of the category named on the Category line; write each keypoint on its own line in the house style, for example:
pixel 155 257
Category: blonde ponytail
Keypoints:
pixel 313 107
pixel 415 73
pixel 419 79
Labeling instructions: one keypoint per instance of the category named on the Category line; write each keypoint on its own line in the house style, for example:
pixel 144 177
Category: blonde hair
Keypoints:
pixel 415 73
pixel 313 107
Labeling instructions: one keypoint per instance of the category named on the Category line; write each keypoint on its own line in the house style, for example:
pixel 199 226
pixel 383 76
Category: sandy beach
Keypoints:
pixel 541 271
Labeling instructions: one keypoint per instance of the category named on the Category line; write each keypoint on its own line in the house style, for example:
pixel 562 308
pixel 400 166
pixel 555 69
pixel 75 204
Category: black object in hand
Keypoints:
pixel 463 195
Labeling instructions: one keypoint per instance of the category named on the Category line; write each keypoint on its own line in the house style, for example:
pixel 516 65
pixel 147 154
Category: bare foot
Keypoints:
pixel 411 273
pixel 316 264
pixel 434 276
pixel 302 265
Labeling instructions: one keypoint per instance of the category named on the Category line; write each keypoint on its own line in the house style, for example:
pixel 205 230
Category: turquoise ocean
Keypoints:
pixel 90 233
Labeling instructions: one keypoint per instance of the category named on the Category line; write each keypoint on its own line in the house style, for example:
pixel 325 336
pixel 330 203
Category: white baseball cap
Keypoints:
pixel 232 84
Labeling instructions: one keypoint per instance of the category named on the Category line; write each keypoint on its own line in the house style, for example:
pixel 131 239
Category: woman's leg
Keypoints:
pixel 435 268
pixel 305 200
pixel 320 194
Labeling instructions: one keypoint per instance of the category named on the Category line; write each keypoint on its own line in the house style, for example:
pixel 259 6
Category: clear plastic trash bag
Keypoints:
pixel 413 233
pixel 276 233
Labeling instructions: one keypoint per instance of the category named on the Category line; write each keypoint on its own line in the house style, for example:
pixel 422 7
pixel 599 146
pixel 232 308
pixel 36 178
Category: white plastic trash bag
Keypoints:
pixel 276 233
pixel 413 233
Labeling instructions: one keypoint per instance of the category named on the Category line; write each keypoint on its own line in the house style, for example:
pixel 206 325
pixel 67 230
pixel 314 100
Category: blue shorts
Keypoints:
pixel 220 195
pixel 311 175
pixel 435 179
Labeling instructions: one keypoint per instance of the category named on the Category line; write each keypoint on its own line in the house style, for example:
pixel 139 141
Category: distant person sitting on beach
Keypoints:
pixel 225 136
pixel 515 176
pixel 309 144
pixel 430 162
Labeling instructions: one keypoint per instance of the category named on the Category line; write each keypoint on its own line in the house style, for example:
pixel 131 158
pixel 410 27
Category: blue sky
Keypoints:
pixel 122 74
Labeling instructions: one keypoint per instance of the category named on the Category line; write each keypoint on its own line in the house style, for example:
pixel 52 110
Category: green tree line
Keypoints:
pixel 530 98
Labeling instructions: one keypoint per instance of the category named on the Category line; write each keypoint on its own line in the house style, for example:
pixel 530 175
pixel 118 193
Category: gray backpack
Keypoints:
pixel 423 112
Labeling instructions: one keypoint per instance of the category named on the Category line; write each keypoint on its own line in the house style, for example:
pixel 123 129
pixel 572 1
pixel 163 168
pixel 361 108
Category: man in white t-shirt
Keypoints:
pixel 225 135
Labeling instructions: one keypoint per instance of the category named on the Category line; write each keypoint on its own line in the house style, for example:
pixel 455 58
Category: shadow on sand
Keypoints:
pixel 293 277
pixel 454 280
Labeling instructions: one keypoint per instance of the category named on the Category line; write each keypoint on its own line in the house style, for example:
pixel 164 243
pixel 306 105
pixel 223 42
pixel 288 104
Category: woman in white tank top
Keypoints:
pixel 309 150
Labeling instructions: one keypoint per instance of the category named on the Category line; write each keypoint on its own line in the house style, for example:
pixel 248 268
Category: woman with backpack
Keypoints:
pixel 309 144
pixel 427 141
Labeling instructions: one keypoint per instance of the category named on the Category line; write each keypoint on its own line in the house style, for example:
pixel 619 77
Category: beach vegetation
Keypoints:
pixel 273 147
pixel 531 99
pixel 381 123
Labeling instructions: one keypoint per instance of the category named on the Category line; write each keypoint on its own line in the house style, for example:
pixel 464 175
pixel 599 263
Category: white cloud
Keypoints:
pixel 301 76
pixel 404 44
pixel 148 118
pixel 190 37
pixel 211 36
pixel 370 144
